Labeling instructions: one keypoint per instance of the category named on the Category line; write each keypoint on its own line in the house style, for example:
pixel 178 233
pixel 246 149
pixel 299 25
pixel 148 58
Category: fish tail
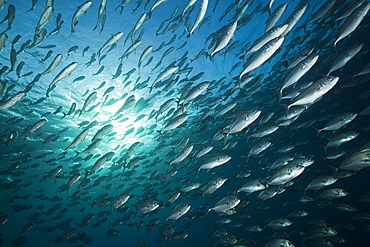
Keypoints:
pixel 198 172
pixel 286 108
pixel 318 131
pixel 304 192
pixel 335 170
pixel 280 94
pixel 226 136
pixel 208 209
pixel 334 46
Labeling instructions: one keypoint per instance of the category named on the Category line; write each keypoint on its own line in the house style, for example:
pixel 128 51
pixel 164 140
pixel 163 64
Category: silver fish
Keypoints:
pixel 262 55
pixel 44 18
pixel 110 42
pixel 315 91
pixel 14 100
pixel 344 57
pixel 53 64
pixel 297 72
pixel 102 7
pixel 214 161
pixel 80 10
pixel 352 22
pixel 62 74
pixel 293 19
pixel 78 139
pixel 269 35
pixel 201 13
pixel 275 16
pixel 178 211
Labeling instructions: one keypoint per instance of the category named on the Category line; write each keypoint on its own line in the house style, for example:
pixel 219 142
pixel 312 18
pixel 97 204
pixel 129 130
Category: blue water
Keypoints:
pixel 37 156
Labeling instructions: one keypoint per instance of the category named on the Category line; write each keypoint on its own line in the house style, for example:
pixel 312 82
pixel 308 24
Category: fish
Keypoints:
pixel 138 24
pixel 3 39
pixel 110 42
pixel 78 139
pixel 62 74
pixel 120 200
pixel 14 100
pixel 214 161
pixel 201 13
pixel 178 211
pixel 47 56
pixel 80 10
pixel 182 155
pixel 269 35
pixel 156 4
pixel 188 6
pixel 352 22
pixel 275 16
pixel 73 179
pixel 341 138
pixel 35 126
pixel 163 75
pixel 44 18
pixel 338 121
pixel 264 53
pixel 344 57
pixel 144 55
pixel 294 18
pixel 213 185
pixel 279 242
pixel 225 37
pixel 102 132
pixel 148 206
pixel 19 69
pixel 38 38
pixel 13 59
pixel 196 91
pixel 314 92
pixel 225 203
pixel 320 12
pixel 102 7
pixel 285 174
pixel 71 110
pixel 131 49
pixel 10 17
pixel 72 49
pixel 175 122
pixel 242 120
pixel 92 97
pixel 297 72
pixel 99 163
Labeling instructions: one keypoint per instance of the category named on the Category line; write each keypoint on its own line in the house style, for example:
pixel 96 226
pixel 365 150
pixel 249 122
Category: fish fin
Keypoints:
pixel 318 131
pixel 334 45
pixel 287 107
pixel 335 169
pixel 208 209
pixel 198 172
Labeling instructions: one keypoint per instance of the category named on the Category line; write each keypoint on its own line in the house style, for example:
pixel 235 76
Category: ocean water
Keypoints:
pixel 31 196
